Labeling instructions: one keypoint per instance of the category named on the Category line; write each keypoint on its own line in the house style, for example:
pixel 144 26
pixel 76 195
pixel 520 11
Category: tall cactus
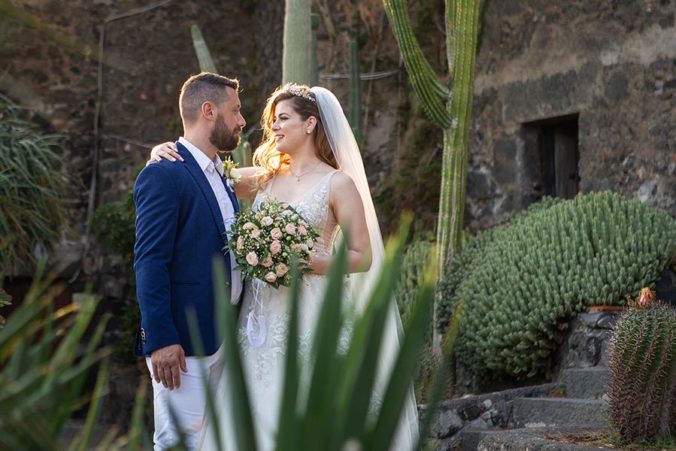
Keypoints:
pixel 448 109
pixel 642 386
pixel 241 155
pixel 296 61
pixel 354 100
pixel 201 50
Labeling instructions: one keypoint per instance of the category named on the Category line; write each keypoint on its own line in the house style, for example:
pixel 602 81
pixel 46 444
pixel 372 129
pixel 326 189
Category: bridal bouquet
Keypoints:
pixel 265 241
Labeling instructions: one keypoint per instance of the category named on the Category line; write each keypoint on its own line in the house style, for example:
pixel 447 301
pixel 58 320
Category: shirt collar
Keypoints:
pixel 203 161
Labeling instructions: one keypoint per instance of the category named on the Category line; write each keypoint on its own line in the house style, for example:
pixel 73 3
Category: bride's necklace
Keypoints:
pixel 307 171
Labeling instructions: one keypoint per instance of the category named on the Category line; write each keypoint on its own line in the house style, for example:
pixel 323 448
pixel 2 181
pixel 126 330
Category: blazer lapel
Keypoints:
pixel 201 180
pixel 231 195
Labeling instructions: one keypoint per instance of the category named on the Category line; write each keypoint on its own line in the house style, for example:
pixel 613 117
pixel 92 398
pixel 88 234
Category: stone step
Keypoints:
pixel 528 439
pixel 470 438
pixel 586 383
pixel 560 412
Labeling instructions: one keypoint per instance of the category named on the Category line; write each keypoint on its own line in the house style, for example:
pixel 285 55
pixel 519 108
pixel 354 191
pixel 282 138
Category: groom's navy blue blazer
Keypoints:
pixel 179 229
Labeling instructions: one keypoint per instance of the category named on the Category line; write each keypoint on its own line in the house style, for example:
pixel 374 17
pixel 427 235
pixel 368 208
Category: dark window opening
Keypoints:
pixel 553 155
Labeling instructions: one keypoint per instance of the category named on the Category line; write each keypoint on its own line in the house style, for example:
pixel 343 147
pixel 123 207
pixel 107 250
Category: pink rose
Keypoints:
pixel 290 229
pixel 240 242
pixel 276 233
pixel 275 247
pixel 282 269
pixel 255 233
pixel 248 225
pixel 252 258
pixel 302 230
pixel 267 262
pixel 271 277
pixel 296 247
pixel 266 221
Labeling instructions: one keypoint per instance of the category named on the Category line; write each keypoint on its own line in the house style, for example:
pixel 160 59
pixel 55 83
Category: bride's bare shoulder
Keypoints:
pixel 342 183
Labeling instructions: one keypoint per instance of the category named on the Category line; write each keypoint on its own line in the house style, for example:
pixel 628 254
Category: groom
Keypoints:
pixel 181 212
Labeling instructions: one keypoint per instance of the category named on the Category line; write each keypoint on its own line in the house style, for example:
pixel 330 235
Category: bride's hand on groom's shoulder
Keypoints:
pixel 167 150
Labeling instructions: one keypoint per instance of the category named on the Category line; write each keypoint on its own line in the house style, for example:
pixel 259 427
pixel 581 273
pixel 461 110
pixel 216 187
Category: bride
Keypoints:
pixel 310 160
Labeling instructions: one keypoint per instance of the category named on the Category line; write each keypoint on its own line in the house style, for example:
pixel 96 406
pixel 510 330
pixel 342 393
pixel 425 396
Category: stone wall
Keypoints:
pixel 613 64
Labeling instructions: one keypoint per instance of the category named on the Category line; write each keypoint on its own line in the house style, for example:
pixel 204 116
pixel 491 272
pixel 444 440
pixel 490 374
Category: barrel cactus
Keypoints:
pixel 525 280
pixel 642 386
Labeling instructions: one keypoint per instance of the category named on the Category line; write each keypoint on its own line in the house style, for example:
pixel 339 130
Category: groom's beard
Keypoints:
pixel 222 138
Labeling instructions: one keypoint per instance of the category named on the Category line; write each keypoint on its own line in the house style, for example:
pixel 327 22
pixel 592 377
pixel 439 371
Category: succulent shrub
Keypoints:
pixel 642 385
pixel 523 281
pixel 416 260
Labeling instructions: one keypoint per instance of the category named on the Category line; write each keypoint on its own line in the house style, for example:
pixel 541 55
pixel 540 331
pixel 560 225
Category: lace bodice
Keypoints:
pixel 313 206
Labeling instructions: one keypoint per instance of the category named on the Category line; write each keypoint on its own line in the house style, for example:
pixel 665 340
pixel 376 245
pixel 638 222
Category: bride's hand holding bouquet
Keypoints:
pixel 265 242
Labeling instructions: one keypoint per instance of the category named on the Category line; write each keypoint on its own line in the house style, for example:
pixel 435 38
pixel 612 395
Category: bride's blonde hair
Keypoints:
pixel 303 102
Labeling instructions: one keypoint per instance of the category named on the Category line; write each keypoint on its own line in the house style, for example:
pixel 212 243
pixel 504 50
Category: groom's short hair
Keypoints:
pixel 201 88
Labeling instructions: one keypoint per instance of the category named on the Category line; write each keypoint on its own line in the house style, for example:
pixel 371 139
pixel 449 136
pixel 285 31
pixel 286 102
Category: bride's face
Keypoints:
pixel 291 131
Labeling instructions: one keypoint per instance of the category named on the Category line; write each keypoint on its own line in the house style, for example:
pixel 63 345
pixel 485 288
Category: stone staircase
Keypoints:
pixel 524 418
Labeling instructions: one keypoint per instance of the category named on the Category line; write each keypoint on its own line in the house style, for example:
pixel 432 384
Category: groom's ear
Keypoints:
pixel 209 111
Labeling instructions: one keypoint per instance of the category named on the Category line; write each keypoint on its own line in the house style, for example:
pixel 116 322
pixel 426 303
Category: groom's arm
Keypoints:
pixel 156 222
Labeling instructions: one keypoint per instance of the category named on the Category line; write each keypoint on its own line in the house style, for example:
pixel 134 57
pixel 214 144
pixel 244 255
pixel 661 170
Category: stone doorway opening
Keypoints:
pixel 552 145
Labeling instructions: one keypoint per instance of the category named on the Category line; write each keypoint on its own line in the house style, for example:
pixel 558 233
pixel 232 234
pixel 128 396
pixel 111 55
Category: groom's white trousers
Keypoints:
pixel 188 402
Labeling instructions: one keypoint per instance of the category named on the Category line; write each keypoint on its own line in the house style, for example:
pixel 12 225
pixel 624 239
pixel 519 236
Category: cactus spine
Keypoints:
pixel 296 61
pixel 450 111
pixel 642 387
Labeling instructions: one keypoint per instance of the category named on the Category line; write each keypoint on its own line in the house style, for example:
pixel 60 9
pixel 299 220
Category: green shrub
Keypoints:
pixel 416 260
pixel 642 386
pixel 523 281
pixel 114 224
pixel 31 189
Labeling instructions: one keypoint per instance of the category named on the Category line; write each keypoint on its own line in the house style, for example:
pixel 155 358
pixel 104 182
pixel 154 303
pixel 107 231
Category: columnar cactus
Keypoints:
pixel 201 50
pixel 354 101
pixel 450 110
pixel 522 282
pixel 296 61
pixel 642 386
pixel 241 155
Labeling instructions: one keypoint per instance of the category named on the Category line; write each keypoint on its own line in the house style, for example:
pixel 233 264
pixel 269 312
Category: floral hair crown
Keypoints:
pixel 299 91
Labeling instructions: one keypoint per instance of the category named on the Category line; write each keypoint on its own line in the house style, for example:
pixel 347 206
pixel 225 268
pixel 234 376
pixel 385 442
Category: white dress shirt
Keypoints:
pixel 213 170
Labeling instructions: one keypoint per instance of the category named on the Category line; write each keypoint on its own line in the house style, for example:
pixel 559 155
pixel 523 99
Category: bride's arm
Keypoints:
pixel 245 189
pixel 347 206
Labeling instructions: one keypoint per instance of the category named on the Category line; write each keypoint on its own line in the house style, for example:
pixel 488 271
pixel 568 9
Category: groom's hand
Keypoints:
pixel 168 362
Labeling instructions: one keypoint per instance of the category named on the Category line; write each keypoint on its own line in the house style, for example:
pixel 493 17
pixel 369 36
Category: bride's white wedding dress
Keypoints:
pixel 264 356
pixel 263 324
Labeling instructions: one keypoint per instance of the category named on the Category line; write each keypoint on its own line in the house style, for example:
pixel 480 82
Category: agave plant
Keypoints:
pixel 46 356
pixel 339 416
pixel 31 189
pixel 42 379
